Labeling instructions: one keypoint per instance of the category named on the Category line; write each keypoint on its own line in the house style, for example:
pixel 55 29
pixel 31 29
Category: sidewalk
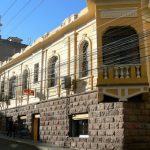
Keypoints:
pixel 39 145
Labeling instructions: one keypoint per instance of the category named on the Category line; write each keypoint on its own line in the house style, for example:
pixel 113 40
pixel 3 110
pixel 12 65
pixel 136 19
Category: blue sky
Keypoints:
pixel 30 19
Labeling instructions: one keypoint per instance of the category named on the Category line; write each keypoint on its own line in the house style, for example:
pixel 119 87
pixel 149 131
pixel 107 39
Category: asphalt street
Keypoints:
pixel 9 145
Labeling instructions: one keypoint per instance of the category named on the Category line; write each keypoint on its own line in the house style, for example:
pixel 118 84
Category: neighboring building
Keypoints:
pixel 9 47
pixel 85 85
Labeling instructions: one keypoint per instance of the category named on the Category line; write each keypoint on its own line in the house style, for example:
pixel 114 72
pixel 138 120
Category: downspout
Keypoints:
pixel 21 98
pixel 45 77
pixel 7 85
pixel 41 82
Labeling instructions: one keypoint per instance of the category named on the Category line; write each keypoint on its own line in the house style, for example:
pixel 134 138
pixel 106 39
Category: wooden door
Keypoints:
pixel 36 121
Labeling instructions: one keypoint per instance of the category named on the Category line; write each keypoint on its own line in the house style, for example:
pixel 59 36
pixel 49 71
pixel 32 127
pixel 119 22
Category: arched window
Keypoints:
pixel 25 79
pixel 12 87
pixel 2 89
pixel 83 61
pixel 120 46
pixel 52 71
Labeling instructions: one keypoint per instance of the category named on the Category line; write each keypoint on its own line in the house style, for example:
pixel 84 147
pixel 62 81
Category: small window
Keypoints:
pixel 78 126
pixel 36 72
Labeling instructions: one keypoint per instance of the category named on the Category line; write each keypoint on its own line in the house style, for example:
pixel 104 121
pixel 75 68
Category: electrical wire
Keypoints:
pixel 18 12
pixel 28 15
pixel 139 9
pixel 9 8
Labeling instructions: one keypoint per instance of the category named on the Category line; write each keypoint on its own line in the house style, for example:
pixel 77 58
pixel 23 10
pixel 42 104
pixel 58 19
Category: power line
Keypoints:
pixel 113 52
pixel 97 68
pixel 95 52
pixel 27 16
pixel 41 2
pixel 9 8
pixel 18 12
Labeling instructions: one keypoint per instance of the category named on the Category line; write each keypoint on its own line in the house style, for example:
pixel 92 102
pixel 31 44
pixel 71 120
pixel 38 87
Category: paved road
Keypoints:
pixel 8 145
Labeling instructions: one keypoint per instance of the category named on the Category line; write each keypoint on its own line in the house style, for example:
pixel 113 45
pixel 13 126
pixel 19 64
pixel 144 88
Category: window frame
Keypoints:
pixel 84 59
pixel 52 72
pixel 36 73
pixel 12 87
pixel 79 126
pixel 25 80
pixel 2 89
pixel 127 55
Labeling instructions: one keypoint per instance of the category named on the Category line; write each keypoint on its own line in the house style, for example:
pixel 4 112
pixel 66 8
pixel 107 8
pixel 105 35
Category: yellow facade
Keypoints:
pixel 120 81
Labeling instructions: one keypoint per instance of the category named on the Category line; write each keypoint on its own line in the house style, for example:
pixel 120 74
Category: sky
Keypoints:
pixel 30 19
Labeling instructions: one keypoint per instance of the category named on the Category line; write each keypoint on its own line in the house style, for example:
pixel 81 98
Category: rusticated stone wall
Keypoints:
pixel 112 126
pixel 106 131
pixel 137 126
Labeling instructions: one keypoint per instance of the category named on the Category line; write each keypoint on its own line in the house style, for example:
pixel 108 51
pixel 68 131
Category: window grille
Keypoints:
pixel 12 87
pixel 84 59
pixel 36 72
pixel 25 80
pixel 52 71
pixel 120 46
pixel 2 90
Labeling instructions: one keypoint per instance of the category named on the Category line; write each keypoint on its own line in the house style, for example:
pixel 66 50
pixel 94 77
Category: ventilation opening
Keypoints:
pixel 110 99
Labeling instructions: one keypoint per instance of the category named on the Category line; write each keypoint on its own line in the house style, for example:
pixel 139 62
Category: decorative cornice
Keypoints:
pixel 114 2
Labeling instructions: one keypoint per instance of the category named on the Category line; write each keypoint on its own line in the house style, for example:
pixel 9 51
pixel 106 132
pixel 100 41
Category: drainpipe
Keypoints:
pixel 28 79
pixel 21 99
pixel 41 82
pixel 45 77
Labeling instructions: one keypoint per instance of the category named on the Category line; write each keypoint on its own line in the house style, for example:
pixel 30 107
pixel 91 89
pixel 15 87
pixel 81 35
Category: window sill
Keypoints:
pixel 35 83
pixel 54 87
pixel 14 98
pixel 84 78
pixel 83 136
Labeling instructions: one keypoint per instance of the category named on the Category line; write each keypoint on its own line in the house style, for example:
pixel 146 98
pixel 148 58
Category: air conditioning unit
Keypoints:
pixel 66 82
pixel 39 95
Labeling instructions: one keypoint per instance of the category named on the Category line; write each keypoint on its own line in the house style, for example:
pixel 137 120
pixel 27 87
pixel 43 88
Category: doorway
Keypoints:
pixel 23 127
pixel 7 122
pixel 1 122
pixel 35 127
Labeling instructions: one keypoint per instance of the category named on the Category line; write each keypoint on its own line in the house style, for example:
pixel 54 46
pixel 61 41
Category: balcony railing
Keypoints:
pixel 125 71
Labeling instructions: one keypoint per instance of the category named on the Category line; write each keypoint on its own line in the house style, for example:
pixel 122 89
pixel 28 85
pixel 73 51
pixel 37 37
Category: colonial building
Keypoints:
pixel 85 85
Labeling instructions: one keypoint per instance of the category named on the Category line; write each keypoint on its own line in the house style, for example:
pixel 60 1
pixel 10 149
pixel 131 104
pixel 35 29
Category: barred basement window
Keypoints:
pixel 12 87
pixel 78 126
pixel 84 59
pixel 25 80
pixel 52 72
pixel 36 72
